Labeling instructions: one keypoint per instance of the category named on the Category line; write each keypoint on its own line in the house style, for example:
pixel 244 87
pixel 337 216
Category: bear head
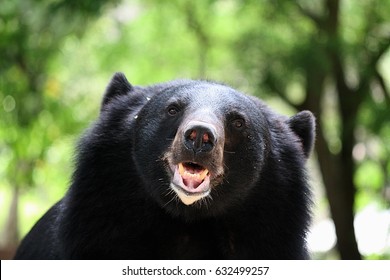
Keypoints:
pixel 199 147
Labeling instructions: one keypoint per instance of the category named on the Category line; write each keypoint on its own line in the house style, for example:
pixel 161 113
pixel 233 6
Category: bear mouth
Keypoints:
pixel 191 182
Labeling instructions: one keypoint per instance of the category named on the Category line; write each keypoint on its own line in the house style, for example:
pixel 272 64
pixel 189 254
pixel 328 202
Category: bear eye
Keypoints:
pixel 173 110
pixel 238 123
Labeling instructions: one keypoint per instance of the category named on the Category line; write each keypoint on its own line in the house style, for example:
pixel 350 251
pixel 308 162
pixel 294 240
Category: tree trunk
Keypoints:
pixel 11 234
pixel 337 170
pixel 340 193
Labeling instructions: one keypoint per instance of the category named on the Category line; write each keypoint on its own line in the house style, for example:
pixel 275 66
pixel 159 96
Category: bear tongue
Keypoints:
pixel 192 177
pixel 191 183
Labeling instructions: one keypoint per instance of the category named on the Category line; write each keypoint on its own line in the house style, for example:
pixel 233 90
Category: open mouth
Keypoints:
pixel 191 182
pixel 193 175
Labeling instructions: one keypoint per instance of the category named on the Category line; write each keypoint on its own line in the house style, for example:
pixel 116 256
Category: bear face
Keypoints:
pixel 199 147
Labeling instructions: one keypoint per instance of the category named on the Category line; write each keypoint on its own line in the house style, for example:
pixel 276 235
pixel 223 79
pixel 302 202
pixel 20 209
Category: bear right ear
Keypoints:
pixel 119 85
pixel 304 126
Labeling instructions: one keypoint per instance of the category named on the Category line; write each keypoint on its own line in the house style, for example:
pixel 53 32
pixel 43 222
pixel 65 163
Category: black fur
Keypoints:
pixel 120 204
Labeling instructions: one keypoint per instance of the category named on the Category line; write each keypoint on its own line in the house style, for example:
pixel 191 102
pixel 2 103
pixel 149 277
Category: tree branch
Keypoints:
pixel 194 22
pixel 383 86
pixel 382 49
pixel 309 14
pixel 370 69
pixel 271 82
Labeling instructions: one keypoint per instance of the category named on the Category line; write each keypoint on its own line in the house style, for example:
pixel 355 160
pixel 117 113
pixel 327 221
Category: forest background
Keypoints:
pixel 328 56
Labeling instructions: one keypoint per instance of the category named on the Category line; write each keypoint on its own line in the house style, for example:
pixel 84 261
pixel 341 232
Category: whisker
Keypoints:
pixel 174 198
pixel 204 201
pixel 169 191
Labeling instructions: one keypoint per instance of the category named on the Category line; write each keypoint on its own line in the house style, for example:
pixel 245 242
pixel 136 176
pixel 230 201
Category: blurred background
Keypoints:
pixel 328 56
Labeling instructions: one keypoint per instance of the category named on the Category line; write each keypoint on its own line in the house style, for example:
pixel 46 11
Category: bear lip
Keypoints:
pixel 191 181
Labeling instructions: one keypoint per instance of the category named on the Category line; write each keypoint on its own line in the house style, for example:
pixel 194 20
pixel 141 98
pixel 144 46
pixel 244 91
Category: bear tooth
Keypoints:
pixel 198 176
pixel 192 175
pixel 203 174
pixel 181 169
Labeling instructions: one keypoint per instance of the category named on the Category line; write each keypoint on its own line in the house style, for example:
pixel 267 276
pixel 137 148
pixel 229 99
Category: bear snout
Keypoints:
pixel 195 159
pixel 199 142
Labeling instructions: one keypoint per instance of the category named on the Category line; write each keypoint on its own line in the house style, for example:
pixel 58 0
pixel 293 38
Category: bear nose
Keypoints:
pixel 199 137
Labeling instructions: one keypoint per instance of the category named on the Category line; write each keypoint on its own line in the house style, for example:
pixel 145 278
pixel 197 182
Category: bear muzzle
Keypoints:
pixel 196 160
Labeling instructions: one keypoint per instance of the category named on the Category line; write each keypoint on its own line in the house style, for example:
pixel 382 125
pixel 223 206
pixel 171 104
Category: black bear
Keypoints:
pixel 183 170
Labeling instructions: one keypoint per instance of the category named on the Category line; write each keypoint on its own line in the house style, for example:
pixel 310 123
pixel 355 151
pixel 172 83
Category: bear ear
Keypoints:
pixel 119 85
pixel 303 125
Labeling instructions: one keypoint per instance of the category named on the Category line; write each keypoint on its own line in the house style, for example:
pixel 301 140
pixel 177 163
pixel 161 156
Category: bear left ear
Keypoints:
pixel 303 125
pixel 119 85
